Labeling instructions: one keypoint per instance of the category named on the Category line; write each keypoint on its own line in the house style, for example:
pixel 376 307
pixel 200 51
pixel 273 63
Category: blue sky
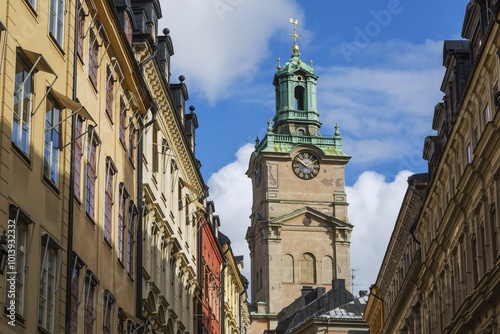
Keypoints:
pixel 380 70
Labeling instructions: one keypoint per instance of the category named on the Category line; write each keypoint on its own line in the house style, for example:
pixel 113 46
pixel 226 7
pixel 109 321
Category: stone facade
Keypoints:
pixel 299 233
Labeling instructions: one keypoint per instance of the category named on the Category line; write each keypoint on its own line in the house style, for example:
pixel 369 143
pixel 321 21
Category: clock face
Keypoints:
pixel 305 165
pixel 258 174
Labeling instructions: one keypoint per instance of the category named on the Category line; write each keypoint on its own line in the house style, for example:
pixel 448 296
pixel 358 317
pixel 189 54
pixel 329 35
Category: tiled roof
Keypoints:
pixel 353 310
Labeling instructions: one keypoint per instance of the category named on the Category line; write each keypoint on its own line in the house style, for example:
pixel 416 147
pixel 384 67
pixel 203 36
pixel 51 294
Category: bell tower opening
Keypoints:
pixel 299 98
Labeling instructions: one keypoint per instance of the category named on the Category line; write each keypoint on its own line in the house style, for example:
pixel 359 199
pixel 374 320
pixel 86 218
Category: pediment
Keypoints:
pixel 311 217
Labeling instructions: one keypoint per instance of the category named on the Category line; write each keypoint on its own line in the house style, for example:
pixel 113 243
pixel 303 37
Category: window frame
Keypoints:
pixel 77 165
pixel 121 231
pixel 123 122
pixel 91 173
pixel 52 141
pixel 108 302
pixel 110 93
pixel 111 171
pixel 56 20
pixel 131 141
pixel 24 86
pixel 131 223
pixel 89 313
pixel 50 253
pixel 80 32
pixel 93 57
pixel 21 220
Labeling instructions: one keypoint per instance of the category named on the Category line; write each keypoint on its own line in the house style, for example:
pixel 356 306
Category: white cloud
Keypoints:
pixel 231 191
pixel 217 42
pixel 374 203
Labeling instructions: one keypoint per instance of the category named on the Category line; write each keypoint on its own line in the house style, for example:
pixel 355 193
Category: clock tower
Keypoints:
pixel 299 237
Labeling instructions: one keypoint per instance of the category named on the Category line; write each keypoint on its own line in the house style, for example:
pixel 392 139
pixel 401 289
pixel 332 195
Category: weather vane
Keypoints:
pixel 295 47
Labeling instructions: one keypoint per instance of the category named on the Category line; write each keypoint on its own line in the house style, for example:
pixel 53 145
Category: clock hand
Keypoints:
pixel 303 163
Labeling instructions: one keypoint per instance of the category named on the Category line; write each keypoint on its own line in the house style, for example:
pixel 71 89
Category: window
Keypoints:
pixel 108 198
pixel 487 115
pixel 299 98
pixel 23 99
pixel 494 232
pixel 127 27
pixel 57 20
pixel 109 300
pixel 91 175
pixel 49 273
pixel 307 268
pixel 78 156
pixel 110 88
pixel 74 300
pixel 475 260
pixel 131 141
pixel 469 154
pixel 327 270
pixel 121 222
pixel 132 216
pixel 123 121
pixel 32 3
pixel 89 313
pixel 22 248
pixel 287 269
pixel 93 58
pixel 51 142
pixel 81 32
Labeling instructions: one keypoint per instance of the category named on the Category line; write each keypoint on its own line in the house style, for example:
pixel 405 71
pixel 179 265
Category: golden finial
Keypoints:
pixel 295 47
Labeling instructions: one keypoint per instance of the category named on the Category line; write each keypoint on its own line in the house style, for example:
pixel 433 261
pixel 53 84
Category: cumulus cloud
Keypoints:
pixel 374 203
pixel 222 41
pixel 231 191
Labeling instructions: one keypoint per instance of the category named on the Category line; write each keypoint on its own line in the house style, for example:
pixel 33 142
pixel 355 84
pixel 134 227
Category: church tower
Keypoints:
pixel 299 234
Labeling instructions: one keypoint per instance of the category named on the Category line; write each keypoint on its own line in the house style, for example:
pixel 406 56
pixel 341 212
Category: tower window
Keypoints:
pixel 299 98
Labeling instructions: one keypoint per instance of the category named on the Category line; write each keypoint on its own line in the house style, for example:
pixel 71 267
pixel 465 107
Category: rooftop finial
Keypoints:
pixel 295 47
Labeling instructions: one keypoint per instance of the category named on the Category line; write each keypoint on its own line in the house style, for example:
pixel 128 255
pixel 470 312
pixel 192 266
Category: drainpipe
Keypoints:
pixel 69 249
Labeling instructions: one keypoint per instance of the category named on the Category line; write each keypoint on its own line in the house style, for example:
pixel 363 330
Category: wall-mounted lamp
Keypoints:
pixel 3 252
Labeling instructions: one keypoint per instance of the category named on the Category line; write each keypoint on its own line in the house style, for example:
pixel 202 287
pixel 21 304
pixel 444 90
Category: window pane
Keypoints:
pixel 22 107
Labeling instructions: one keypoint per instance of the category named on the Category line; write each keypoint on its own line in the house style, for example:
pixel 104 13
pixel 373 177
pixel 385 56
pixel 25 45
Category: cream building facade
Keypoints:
pixel 172 189
pixel 236 316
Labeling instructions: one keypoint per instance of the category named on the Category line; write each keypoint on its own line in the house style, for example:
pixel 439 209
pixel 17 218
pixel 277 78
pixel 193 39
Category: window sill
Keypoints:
pixel 58 46
pixel 53 187
pixel 24 158
pixel 108 244
pixel 19 320
pixel 123 144
pixel 90 220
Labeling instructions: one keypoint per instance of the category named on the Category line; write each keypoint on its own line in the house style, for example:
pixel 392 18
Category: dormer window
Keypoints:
pixel 299 98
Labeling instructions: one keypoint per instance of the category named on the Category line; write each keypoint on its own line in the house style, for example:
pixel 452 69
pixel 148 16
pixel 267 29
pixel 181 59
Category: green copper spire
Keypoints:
pixel 297 119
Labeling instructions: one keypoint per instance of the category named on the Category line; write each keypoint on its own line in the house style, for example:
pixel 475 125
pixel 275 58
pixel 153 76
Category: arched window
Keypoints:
pixel 307 266
pixel 327 270
pixel 299 98
pixel 287 269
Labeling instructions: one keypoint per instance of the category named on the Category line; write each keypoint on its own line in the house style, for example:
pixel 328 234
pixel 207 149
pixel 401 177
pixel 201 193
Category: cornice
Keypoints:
pixel 159 91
